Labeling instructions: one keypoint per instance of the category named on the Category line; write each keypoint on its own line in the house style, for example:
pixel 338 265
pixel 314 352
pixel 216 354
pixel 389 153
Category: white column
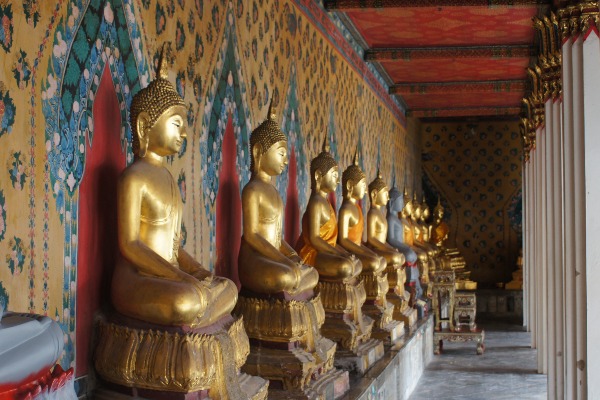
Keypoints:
pixel 579 220
pixel 549 253
pixel 557 265
pixel 530 247
pixel 569 225
pixel 541 252
pixel 524 246
pixel 533 207
pixel 590 271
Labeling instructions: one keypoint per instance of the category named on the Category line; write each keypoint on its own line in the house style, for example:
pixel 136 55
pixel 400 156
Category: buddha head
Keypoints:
pixel 408 205
pixel 354 181
pixel 425 214
pixel 324 170
pixel 438 212
pixel 416 209
pixel 378 191
pixel 396 203
pixel 158 116
pixel 268 146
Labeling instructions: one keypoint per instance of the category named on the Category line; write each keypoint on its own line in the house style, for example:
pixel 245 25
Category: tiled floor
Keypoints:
pixel 507 369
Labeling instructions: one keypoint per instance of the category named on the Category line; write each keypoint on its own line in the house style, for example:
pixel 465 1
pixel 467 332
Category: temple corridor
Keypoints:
pixel 507 369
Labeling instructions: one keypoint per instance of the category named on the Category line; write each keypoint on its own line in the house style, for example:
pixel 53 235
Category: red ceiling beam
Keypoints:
pixel 464 112
pixel 347 5
pixel 459 87
pixel 429 53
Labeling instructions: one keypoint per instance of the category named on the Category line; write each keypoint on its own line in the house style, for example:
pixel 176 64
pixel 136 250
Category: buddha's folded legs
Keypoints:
pixel 332 267
pixel 263 275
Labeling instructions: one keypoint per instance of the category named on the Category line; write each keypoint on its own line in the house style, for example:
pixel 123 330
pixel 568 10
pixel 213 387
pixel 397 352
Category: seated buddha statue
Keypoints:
pixel 441 260
pixel 426 262
pixel 453 259
pixel 395 237
pixel 282 314
pixel 351 227
pixel 317 245
pixel 377 224
pixel 351 220
pixel 377 233
pixel 440 230
pixel 421 215
pixel 157 286
pixel 341 291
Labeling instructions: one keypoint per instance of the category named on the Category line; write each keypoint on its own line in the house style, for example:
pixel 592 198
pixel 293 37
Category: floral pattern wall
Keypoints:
pixel 475 169
pixel 228 59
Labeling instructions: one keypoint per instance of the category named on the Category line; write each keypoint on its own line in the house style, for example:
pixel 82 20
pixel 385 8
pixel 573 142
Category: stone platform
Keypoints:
pixel 396 375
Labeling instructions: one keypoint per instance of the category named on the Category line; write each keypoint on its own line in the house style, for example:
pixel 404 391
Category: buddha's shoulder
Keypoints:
pixel 254 187
pixel 137 172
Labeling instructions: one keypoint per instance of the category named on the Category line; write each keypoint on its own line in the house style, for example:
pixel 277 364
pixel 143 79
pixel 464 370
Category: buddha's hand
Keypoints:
pixel 295 258
pixel 203 275
pixel 300 269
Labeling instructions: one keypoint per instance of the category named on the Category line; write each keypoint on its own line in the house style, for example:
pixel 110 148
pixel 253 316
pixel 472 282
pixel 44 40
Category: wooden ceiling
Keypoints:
pixel 448 58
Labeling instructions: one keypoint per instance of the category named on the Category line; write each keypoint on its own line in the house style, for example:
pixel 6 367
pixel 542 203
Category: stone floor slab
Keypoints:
pixel 506 371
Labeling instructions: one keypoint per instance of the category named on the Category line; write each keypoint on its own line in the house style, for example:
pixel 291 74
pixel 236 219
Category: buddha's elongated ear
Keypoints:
pixel 318 176
pixel 143 124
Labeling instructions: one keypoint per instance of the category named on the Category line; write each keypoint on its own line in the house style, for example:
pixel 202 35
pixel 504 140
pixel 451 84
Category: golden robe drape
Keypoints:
pixel 328 232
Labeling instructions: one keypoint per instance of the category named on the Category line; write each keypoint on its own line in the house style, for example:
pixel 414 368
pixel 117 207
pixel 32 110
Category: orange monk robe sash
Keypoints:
pixel 440 232
pixel 355 232
pixel 408 233
pixel 328 232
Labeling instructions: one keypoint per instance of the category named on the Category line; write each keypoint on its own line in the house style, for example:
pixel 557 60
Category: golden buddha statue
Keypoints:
pixel 318 243
pixel 377 235
pixel 340 288
pixel 282 314
pixel 433 251
pixel 410 239
pixel 452 257
pixel 351 227
pixel 173 314
pixel 440 231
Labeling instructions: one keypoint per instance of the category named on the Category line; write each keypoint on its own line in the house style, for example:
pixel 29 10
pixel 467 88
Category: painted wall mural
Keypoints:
pixel 72 68
pixel 475 168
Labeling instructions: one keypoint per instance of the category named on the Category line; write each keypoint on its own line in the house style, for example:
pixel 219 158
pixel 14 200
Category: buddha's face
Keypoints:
pixel 439 215
pixel 397 205
pixel 408 209
pixel 166 136
pixel 425 214
pixel 417 212
pixel 330 180
pixel 274 160
pixel 382 197
pixel 358 190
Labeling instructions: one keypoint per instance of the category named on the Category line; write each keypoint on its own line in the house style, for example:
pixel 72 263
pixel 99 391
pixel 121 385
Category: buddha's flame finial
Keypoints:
pixel 356 157
pixel 378 173
pixel 162 71
pixel 272 113
pixel 326 147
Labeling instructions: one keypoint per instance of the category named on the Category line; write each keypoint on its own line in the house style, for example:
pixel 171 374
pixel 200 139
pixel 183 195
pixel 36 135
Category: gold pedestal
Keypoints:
pixel 177 360
pixel 286 345
pixel 385 328
pixel 399 297
pixel 347 326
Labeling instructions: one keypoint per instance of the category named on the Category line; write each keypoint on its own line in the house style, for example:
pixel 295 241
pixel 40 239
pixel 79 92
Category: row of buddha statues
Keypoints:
pixel 306 313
